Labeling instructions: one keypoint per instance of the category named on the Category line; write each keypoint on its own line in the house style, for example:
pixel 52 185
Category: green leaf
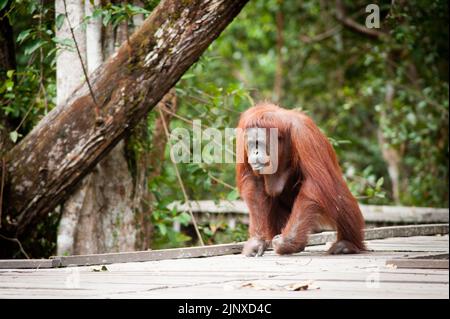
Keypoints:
pixel 3 4
pixel 107 18
pixel 97 13
pixel 14 136
pixel 9 84
pixel 233 195
pixel 33 47
pixel 59 21
pixel 188 76
pixel 23 35
pixel 380 182
pixel 10 73
pixel 181 238
pixel 184 218
pixel 64 43
pixel 133 10
pixel 162 229
pixel 207 231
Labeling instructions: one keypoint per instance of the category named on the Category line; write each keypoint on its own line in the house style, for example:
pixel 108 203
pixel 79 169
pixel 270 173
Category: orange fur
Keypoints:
pixel 314 192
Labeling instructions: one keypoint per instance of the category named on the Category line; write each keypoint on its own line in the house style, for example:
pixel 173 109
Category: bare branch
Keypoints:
pixel 15 240
pixel 96 106
pixel 353 25
pixel 218 180
pixel 180 181
pixel 321 36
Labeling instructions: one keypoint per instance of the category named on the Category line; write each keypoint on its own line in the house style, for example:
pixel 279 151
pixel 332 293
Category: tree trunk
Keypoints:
pixel 94 50
pixel 69 73
pixel 7 62
pixel 98 217
pixel 103 208
pixel 45 167
pixel 138 19
pixel 391 156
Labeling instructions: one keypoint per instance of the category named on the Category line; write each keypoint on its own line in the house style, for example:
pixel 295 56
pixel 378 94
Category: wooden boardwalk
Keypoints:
pixel 310 274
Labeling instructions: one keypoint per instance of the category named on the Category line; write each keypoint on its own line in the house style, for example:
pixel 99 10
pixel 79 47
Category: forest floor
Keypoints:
pixel 310 274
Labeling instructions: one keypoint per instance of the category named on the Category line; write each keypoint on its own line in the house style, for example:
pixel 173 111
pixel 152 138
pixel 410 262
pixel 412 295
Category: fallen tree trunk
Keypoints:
pixel 47 164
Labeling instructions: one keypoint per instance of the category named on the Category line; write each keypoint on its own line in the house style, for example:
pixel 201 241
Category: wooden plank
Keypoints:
pixel 226 249
pixel 213 250
pixel 428 261
pixel 371 213
pixel 418 263
pixel 351 276
pixel 385 232
pixel 405 231
pixel 151 255
pixel 120 282
pixel 211 206
pixel 431 256
pixel 327 290
pixel 221 291
pixel 28 263
pixel 404 214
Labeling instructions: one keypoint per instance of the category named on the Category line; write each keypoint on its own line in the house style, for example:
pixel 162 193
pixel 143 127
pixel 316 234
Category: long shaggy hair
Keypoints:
pixel 312 155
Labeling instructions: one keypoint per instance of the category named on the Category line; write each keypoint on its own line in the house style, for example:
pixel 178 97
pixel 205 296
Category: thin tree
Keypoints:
pixel 46 166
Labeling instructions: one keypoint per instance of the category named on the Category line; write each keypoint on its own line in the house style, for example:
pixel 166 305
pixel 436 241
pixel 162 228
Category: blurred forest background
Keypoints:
pixel 381 95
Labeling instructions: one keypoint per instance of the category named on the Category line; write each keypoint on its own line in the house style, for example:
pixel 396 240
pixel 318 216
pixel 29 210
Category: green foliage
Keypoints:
pixel 163 219
pixel 337 76
pixel 366 185
pixel 218 232
pixel 341 82
pixel 165 236
pixel 3 4
pixel 114 14
pixel 29 91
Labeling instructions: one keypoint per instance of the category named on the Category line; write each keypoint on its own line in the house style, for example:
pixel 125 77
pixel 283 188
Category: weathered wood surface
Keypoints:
pixel 235 276
pixel 214 250
pixel 28 263
pixel 418 263
pixel 414 244
pixel 69 141
pixel 227 249
pixel 176 253
pixel 404 214
pixel 372 213
pixel 384 232
pixel 124 257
